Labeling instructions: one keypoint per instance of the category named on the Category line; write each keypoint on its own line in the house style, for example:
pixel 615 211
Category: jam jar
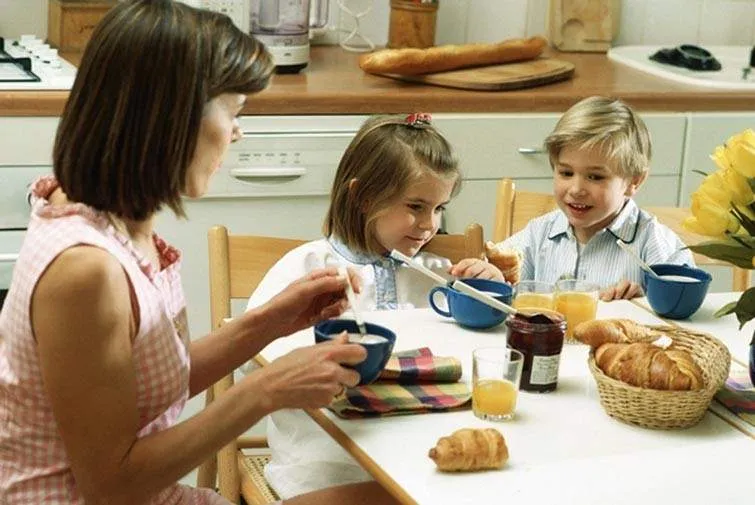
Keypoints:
pixel 541 345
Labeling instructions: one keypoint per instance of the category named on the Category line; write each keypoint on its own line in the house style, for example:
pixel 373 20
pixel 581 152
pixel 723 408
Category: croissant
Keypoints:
pixel 600 331
pixel 470 449
pixel 508 261
pixel 646 365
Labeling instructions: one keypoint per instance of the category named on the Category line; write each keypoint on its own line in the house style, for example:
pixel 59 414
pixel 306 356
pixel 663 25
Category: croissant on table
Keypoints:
pixel 470 449
pixel 646 365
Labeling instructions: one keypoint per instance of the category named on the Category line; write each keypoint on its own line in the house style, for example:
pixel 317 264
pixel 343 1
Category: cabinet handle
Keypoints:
pixel 8 258
pixel 531 150
pixel 267 172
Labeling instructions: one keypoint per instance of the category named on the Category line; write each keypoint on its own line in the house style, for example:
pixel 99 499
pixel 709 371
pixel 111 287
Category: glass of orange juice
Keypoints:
pixel 577 301
pixel 496 372
pixel 536 294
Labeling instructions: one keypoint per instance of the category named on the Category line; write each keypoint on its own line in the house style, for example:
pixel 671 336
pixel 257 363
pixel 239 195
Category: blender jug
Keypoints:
pixel 283 26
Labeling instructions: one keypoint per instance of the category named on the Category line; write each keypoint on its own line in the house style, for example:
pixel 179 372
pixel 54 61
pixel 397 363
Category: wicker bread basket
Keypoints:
pixel 651 408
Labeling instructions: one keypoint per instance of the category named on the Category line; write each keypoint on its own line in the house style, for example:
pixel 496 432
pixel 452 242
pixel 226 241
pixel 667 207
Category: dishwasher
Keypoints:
pixel 274 181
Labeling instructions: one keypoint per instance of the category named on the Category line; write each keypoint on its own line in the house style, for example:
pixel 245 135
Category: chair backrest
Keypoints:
pixel 514 209
pixel 239 262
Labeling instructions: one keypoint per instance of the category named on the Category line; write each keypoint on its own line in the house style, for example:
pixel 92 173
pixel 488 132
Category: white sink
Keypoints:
pixel 733 59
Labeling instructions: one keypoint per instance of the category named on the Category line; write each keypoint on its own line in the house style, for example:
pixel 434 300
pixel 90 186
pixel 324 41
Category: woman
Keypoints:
pixel 96 363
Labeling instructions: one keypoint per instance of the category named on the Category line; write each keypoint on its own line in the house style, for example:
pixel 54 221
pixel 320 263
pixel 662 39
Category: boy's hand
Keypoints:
pixel 622 290
pixel 472 267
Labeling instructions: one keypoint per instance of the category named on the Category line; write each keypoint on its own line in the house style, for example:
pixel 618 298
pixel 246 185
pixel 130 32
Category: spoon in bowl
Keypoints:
pixel 353 301
pixel 636 258
pixel 534 317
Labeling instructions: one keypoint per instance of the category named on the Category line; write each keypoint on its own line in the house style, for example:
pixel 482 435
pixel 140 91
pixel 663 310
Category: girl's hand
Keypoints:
pixel 310 377
pixel 622 290
pixel 317 296
pixel 472 267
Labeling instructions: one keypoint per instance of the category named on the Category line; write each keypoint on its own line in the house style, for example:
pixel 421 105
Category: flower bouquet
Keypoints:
pixel 723 207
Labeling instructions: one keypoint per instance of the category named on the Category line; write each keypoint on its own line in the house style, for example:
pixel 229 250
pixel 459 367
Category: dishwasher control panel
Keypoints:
pixel 280 164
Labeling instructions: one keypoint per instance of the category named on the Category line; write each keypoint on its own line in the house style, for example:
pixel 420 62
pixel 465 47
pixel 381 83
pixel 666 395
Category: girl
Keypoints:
pixel 95 360
pixel 389 192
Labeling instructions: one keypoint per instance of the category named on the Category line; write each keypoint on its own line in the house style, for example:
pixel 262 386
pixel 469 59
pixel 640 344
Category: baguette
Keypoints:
pixel 412 61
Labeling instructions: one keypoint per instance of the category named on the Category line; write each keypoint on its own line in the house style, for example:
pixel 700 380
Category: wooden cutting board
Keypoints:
pixel 582 25
pixel 524 74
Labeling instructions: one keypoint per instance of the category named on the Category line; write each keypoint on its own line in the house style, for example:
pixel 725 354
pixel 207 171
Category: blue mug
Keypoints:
pixel 379 344
pixel 676 299
pixel 469 312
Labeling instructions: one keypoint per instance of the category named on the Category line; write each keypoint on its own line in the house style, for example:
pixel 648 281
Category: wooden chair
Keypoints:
pixel 514 209
pixel 237 265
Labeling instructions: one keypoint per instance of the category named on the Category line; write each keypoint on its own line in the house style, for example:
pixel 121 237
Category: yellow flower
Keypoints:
pixel 709 217
pixel 741 153
pixel 721 157
pixel 727 187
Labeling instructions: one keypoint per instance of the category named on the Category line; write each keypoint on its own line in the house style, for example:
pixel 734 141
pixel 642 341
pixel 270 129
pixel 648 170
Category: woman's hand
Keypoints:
pixel 317 296
pixel 472 267
pixel 310 377
pixel 622 290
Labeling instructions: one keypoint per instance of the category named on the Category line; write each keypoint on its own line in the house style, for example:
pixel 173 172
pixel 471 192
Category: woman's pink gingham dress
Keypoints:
pixel 34 467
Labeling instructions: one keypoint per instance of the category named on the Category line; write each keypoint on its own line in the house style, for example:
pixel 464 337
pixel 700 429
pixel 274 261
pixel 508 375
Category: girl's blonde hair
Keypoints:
pixel 387 154
pixel 608 124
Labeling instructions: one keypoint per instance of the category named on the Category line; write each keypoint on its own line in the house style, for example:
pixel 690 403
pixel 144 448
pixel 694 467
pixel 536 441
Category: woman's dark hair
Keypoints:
pixel 130 126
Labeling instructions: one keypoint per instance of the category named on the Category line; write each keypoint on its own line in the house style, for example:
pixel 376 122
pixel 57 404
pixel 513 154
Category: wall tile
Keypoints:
pixel 451 26
pixel 537 17
pixel 495 21
pixel 727 22
pixel 672 22
pixel 631 23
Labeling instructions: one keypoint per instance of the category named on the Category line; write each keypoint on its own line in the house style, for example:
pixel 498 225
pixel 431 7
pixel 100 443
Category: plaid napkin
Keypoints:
pixel 412 382
pixel 738 394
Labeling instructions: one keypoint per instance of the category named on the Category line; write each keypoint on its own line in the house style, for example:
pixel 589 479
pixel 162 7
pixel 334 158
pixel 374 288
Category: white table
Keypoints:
pixel 563 448
pixel 725 328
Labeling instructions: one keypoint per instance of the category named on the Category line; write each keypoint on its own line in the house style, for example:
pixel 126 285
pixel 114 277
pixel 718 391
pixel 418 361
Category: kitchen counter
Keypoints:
pixel 334 84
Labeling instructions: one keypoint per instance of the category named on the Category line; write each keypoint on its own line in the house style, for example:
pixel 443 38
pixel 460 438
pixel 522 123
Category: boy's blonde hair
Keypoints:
pixel 387 154
pixel 608 124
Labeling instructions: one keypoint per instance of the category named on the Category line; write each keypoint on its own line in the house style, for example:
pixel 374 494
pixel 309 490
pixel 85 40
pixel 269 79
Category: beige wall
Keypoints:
pixel 23 16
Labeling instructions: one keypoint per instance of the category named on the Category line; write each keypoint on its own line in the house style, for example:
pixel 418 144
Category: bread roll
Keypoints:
pixel 508 261
pixel 470 449
pixel 411 61
pixel 600 331
pixel 645 365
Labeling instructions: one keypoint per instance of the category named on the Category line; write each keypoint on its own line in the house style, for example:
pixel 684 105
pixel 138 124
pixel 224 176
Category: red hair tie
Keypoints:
pixel 417 119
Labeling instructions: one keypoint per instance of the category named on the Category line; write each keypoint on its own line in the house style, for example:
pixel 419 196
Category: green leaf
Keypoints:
pixel 726 309
pixel 744 308
pixel 704 174
pixel 730 251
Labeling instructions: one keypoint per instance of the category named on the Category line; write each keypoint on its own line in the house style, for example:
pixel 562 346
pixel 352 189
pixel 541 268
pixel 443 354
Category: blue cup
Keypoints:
pixel 469 312
pixel 676 299
pixel 379 344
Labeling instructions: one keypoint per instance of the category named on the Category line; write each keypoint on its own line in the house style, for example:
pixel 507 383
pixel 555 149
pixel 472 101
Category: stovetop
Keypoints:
pixel 30 64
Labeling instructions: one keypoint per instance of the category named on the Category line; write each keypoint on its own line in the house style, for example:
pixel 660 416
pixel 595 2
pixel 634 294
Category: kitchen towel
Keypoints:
pixel 413 382
pixel 738 394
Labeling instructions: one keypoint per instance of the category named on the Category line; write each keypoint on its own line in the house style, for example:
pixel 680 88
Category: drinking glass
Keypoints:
pixel 533 294
pixel 496 372
pixel 578 301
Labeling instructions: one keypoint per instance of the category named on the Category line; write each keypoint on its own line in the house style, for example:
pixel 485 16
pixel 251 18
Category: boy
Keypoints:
pixel 600 155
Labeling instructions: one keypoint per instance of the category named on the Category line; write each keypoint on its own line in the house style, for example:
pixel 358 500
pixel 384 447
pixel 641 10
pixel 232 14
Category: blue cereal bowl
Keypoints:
pixel 671 296
pixel 379 344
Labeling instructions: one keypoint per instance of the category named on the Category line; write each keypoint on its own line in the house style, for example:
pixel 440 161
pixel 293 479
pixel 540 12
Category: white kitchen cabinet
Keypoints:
pixel 493 146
